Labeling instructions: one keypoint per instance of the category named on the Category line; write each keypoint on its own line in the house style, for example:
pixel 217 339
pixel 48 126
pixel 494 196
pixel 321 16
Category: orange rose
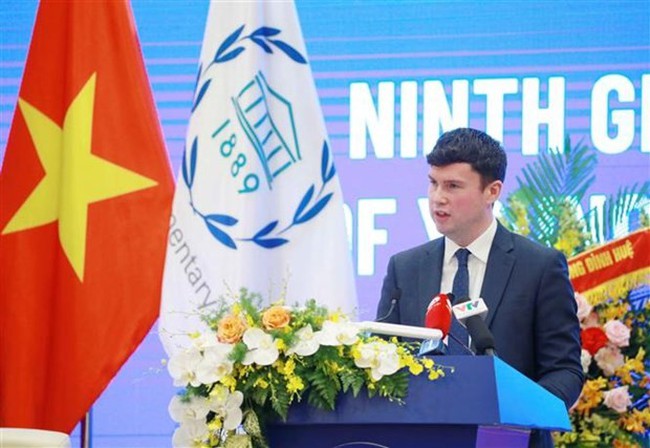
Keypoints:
pixel 275 317
pixel 230 329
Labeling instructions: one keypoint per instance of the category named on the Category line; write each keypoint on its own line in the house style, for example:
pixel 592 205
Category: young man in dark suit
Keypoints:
pixel 526 287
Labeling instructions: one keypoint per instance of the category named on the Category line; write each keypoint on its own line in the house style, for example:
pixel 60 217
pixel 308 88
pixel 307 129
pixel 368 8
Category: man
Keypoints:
pixel 526 287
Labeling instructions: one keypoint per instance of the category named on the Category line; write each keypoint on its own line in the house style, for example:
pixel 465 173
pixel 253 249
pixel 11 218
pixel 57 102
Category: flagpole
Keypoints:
pixel 86 430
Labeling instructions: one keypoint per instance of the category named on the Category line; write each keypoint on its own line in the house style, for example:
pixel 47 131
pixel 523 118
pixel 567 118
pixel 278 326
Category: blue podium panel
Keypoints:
pixel 395 436
pixel 483 403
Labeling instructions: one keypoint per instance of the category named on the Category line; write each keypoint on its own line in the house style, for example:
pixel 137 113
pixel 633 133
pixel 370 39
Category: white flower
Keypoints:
pixel 584 307
pixel 190 434
pixel 182 367
pixel 227 406
pixel 609 358
pixel 204 341
pixel 306 344
pixel 617 333
pixel 380 357
pixel 194 409
pixel 215 364
pixel 261 348
pixel 617 399
pixel 585 360
pixel 337 333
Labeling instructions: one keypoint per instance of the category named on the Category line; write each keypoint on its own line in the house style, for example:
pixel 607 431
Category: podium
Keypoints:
pixel 483 403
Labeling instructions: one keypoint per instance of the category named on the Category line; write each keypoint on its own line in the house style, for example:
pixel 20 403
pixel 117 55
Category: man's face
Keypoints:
pixel 460 207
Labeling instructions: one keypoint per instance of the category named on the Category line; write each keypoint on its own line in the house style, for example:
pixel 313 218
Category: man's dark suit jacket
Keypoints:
pixel 531 307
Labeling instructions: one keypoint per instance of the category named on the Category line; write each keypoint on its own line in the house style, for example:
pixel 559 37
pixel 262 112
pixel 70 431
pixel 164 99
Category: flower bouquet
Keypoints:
pixel 612 410
pixel 256 361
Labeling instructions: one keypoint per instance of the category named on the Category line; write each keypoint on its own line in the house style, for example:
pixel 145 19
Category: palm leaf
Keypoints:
pixel 618 208
pixel 560 180
pixel 552 180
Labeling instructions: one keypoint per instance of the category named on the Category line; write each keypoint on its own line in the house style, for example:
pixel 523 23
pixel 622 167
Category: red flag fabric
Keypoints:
pixel 85 197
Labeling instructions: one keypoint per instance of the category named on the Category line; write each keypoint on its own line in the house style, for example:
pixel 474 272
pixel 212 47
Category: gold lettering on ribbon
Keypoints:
pixel 577 269
pixel 602 260
pixel 625 250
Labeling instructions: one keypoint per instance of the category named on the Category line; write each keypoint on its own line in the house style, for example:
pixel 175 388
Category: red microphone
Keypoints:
pixel 439 314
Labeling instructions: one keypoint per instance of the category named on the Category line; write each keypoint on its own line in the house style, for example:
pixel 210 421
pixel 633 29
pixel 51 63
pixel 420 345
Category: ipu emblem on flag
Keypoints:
pixel 258 203
pixel 276 147
pixel 255 142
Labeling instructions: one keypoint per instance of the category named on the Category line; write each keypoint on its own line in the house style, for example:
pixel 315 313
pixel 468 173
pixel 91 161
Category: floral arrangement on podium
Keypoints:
pixel 256 361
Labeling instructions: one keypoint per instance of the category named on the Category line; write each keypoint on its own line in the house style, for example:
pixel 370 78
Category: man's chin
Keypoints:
pixel 442 229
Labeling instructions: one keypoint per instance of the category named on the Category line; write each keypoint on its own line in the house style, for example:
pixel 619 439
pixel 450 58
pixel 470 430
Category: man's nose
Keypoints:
pixel 437 195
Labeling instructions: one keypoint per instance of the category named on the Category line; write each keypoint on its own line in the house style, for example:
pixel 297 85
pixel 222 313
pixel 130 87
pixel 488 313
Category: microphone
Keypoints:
pixel 470 314
pixel 394 298
pixel 438 316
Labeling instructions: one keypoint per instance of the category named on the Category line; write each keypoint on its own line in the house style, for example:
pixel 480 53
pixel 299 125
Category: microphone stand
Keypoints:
pixel 397 293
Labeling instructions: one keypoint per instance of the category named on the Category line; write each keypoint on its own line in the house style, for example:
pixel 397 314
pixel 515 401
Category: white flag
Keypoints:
pixel 258 202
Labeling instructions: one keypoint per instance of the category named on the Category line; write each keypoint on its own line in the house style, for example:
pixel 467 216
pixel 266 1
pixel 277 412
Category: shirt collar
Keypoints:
pixel 480 247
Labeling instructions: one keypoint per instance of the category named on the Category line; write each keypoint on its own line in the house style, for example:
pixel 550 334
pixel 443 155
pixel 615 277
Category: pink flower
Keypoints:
pixel 617 333
pixel 584 307
pixel 591 320
pixel 617 399
pixel 609 358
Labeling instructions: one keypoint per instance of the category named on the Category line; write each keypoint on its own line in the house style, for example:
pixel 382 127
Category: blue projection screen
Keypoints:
pixel 391 76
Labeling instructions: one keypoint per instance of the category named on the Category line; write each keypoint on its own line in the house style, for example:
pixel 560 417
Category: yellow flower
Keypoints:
pixel 355 352
pixel 195 335
pixel 416 368
pixel 289 367
pixel 334 367
pixel 261 382
pixel 215 424
pixel 427 363
pixel 295 384
pixel 280 345
pixel 336 316
pixel 434 374
pixel 613 312
pixel 635 364
pixel 636 421
pixel 568 242
pixel 229 381
pixel 591 395
pixel 236 309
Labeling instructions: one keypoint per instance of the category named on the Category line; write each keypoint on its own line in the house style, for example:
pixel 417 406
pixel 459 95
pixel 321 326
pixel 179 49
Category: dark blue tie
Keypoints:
pixel 460 290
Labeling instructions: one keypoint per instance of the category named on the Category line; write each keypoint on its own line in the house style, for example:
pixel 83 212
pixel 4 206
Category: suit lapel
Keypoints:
pixel 498 270
pixel 430 274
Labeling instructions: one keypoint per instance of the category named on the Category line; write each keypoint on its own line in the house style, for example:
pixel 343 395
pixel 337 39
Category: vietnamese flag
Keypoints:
pixel 85 197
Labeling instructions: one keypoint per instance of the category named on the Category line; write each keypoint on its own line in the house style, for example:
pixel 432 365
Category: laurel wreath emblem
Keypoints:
pixel 265 37
pixel 270 235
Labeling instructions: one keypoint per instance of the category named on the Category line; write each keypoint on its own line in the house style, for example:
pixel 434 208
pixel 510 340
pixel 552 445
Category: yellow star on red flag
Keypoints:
pixel 74 177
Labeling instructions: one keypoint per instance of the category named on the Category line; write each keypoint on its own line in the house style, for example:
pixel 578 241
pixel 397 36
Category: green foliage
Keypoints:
pixel 543 207
pixel 323 390
pixel 352 380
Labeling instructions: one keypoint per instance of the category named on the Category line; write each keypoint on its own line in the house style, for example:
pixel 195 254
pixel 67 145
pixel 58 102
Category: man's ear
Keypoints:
pixel 493 191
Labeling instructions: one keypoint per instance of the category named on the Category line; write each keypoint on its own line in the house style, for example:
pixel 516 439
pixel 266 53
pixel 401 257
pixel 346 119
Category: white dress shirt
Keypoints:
pixel 476 263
